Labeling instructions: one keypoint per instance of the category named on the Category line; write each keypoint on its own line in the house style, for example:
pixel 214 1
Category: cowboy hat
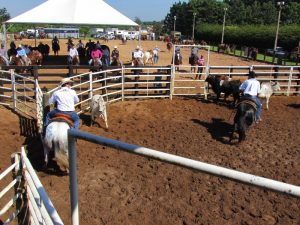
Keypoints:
pixel 137 47
pixel 66 81
pixel 116 46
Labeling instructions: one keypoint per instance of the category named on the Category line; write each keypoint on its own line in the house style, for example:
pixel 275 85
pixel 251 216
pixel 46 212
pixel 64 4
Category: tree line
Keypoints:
pixel 248 22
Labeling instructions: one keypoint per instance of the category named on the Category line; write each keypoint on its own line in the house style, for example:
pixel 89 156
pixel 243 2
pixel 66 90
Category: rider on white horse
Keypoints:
pixel 65 99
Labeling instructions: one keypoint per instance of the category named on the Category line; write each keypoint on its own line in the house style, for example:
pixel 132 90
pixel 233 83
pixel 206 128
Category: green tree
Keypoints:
pixel 4 15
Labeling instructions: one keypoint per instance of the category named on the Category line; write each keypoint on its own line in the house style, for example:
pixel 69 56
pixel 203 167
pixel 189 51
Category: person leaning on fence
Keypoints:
pixel 251 89
pixel 64 99
pixel 201 63
pixel 22 54
pixel 96 55
pixel 3 54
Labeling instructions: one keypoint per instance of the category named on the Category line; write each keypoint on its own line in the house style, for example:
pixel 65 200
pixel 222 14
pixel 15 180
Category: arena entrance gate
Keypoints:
pixel 187 80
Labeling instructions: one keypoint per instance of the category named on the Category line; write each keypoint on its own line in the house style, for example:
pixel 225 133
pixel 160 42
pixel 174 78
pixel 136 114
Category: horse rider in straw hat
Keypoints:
pixel 64 99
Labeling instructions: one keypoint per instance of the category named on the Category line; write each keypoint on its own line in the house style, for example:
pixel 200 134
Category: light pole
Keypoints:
pixel 222 40
pixel 174 23
pixel 280 4
pixel 194 14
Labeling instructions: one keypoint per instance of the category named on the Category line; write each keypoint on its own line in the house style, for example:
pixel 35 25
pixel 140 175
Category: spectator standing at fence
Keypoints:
pixel 251 89
pixel 3 54
pixel 201 63
pixel 156 50
pixel 64 99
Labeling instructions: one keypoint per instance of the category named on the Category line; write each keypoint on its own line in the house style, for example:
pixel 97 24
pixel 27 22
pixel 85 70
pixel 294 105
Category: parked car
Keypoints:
pixel 279 52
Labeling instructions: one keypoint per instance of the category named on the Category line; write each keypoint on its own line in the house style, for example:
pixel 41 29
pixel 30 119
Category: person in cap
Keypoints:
pixel 3 55
pixel 115 53
pixel 138 54
pixel 73 53
pixel 64 99
pixel 251 89
pixel 23 56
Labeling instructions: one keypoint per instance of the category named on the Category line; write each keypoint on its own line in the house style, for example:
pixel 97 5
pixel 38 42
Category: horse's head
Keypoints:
pixel 138 62
pixel 14 60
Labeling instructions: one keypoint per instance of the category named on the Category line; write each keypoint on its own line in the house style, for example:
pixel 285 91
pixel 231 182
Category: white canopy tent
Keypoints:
pixel 72 12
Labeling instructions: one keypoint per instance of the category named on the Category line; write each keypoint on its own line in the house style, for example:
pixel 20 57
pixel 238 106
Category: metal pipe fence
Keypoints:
pixel 214 170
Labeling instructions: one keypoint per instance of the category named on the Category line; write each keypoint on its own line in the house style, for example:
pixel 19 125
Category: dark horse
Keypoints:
pixel 227 87
pixel 244 117
pixel 193 61
pixel 177 60
pixel 138 62
pixel 169 46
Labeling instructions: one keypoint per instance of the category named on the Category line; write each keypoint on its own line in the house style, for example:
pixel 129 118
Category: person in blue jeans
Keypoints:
pixel 65 99
pixel 251 89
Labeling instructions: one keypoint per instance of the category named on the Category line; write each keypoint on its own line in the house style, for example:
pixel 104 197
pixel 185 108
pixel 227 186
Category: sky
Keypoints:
pixel 146 10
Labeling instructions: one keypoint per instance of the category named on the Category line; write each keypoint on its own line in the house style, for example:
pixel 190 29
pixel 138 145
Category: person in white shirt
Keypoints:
pixel 72 54
pixel 156 50
pixel 3 54
pixel 65 99
pixel 251 89
pixel 138 54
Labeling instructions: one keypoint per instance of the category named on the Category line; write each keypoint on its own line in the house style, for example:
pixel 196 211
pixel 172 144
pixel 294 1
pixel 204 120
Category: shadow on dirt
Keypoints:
pixel 296 106
pixel 218 129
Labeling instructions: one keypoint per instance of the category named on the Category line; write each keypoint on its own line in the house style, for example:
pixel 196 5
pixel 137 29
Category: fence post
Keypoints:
pixel 13 88
pixel 290 81
pixel 20 191
pixel 205 88
pixel 123 83
pixel 172 81
pixel 91 85
pixel 73 179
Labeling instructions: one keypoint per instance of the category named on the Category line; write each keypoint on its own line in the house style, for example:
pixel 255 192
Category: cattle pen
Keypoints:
pixel 24 94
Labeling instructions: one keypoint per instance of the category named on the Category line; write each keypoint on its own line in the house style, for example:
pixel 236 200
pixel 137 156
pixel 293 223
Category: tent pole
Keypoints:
pixel 34 36
pixel 140 36
pixel 4 35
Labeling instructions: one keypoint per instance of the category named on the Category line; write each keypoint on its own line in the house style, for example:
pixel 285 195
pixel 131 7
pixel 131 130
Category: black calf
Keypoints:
pixel 228 87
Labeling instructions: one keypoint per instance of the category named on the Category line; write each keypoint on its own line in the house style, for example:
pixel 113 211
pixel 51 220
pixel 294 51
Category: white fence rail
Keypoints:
pixel 28 190
pixel 24 94
pixel 168 158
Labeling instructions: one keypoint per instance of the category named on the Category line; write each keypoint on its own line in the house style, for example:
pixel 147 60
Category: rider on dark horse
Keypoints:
pixel 251 88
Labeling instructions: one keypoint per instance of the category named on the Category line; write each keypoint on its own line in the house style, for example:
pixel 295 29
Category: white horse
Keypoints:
pixel 148 57
pixel 267 89
pixel 56 139
pixel 98 107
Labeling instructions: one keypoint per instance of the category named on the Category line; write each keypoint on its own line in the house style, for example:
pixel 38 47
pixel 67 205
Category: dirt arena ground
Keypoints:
pixel 120 188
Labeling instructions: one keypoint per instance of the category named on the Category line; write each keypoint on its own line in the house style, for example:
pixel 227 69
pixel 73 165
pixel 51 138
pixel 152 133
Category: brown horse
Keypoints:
pixel 169 46
pixel 35 57
pixel 193 60
pixel 137 62
pixel 74 61
pixel 14 60
pixel 177 60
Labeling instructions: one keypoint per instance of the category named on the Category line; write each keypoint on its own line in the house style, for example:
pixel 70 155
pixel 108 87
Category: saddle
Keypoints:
pixel 60 117
pixel 248 101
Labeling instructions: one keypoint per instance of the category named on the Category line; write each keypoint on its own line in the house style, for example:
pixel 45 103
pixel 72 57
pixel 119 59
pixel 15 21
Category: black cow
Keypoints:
pixel 227 87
